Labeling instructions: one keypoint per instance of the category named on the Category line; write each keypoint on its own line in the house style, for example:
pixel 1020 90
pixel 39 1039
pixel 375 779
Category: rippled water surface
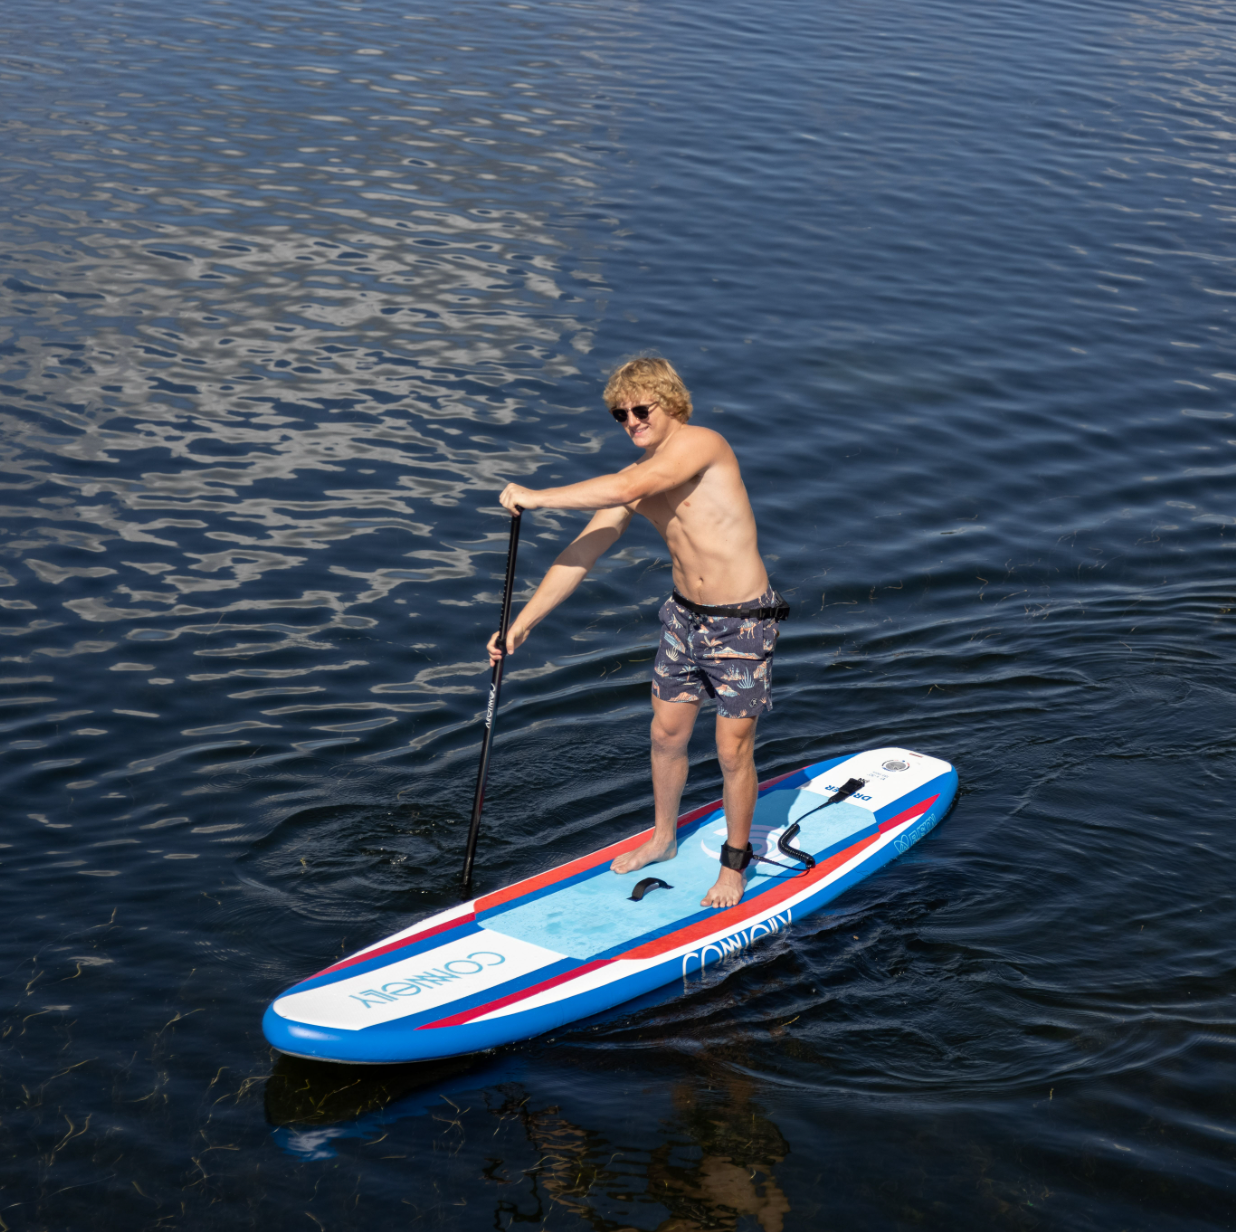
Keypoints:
pixel 291 291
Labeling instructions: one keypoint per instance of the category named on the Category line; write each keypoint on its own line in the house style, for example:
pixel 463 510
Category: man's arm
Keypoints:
pixel 564 575
pixel 681 458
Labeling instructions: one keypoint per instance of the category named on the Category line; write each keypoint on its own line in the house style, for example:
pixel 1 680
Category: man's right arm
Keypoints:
pixel 564 575
pixel 685 455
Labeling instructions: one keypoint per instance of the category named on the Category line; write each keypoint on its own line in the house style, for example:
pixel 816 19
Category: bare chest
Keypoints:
pixel 677 509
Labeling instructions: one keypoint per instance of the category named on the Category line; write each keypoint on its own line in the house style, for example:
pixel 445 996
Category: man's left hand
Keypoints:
pixel 514 498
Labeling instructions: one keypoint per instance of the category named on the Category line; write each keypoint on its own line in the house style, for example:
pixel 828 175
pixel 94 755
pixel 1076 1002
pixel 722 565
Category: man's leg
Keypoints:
pixel 736 753
pixel 671 733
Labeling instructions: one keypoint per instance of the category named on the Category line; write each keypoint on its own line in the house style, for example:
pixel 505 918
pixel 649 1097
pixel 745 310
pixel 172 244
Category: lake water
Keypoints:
pixel 291 291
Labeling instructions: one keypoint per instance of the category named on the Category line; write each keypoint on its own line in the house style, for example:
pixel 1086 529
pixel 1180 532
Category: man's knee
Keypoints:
pixel 736 746
pixel 671 729
pixel 736 759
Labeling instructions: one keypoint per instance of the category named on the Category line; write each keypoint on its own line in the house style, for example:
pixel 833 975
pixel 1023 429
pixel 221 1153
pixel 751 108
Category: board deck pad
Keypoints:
pixel 570 942
pixel 590 917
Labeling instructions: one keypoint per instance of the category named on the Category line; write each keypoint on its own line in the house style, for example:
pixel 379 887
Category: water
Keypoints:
pixel 290 292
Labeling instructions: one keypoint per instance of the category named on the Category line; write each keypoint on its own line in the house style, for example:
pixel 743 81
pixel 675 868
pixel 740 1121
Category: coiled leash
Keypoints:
pixel 738 858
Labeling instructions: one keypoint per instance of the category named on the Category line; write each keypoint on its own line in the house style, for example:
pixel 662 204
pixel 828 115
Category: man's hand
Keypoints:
pixel 514 498
pixel 515 637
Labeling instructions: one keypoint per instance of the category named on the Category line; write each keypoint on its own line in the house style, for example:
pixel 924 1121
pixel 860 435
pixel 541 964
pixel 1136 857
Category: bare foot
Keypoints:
pixel 727 891
pixel 653 851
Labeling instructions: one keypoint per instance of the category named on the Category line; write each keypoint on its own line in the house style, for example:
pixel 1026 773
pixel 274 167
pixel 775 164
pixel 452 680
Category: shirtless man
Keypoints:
pixel 687 484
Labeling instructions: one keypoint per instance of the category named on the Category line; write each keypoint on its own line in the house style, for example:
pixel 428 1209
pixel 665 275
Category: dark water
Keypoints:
pixel 291 291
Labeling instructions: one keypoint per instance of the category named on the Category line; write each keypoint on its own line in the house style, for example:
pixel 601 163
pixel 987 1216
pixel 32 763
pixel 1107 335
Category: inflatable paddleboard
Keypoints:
pixel 573 941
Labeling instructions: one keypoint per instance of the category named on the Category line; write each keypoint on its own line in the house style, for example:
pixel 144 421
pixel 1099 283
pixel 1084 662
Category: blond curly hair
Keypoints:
pixel 652 378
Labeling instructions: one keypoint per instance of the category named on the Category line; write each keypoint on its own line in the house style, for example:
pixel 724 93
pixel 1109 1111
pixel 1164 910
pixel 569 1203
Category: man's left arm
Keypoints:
pixel 676 462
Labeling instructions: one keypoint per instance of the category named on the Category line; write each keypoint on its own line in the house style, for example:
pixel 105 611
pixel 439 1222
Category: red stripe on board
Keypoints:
pixel 467 1015
pixel 582 865
pixel 733 916
pixel 687 818
pixel 590 861
pixel 740 912
pixel 547 878
pixel 397 945
pixel 767 783
pixel 915 810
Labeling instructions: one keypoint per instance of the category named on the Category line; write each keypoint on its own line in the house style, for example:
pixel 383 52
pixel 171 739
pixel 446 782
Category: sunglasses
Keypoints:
pixel 640 412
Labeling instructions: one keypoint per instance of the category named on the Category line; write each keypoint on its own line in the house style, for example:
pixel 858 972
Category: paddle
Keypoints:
pixel 495 687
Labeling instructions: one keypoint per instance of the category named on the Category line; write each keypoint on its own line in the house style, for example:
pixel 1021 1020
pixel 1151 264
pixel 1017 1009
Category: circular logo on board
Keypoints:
pixel 894 764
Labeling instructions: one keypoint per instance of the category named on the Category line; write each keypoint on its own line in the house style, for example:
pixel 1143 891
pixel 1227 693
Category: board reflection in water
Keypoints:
pixel 714 1164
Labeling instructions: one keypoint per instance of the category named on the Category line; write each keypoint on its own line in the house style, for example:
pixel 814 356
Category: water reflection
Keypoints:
pixel 311 1103
pixel 714 1164
pixel 733 1174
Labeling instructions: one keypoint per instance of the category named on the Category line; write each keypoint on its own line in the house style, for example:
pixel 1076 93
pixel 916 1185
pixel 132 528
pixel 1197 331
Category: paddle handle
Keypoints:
pixel 491 711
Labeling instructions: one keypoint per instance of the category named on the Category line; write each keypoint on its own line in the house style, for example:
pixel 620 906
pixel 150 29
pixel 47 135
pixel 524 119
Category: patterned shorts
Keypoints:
pixel 725 657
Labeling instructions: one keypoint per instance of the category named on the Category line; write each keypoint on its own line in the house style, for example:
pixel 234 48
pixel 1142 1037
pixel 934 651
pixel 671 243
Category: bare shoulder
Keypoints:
pixel 701 443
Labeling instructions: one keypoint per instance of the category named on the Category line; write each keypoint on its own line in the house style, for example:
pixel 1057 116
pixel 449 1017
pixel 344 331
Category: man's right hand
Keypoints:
pixel 515 637
pixel 515 498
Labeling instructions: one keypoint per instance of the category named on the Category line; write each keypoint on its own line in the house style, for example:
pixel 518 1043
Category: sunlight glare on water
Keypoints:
pixel 290 293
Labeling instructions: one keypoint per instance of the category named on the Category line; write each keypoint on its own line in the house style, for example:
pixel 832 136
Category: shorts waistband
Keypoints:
pixel 778 611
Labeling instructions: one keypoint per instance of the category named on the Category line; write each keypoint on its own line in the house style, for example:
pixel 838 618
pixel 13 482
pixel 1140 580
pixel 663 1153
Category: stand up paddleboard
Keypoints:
pixel 577 940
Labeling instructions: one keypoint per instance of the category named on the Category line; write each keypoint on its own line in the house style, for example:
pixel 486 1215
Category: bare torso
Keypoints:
pixel 688 485
pixel 708 526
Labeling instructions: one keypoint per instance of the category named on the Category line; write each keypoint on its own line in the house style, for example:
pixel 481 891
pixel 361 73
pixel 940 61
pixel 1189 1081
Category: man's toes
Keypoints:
pixel 722 895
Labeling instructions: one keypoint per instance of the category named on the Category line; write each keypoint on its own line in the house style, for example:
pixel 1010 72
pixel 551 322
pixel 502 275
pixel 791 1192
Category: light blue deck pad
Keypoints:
pixel 592 916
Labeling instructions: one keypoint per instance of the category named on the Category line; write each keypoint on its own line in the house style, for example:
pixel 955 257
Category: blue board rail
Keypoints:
pixel 570 942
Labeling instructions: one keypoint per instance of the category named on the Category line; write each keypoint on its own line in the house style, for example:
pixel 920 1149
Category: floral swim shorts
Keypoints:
pixel 725 657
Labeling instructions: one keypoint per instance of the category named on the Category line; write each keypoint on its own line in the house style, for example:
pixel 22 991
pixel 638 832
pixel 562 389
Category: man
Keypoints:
pixel 719 627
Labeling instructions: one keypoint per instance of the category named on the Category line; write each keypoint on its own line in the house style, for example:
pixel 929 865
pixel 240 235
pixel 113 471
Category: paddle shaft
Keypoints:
pixel 495 688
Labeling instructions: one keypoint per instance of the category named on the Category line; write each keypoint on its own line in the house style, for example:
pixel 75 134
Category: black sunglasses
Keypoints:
pixel 640 412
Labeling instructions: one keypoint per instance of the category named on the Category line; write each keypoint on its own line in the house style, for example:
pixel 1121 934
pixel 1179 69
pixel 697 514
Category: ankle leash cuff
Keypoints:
pixel 736 858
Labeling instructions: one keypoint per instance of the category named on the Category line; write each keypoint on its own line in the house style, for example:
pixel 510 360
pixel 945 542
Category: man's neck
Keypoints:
pixel 676 425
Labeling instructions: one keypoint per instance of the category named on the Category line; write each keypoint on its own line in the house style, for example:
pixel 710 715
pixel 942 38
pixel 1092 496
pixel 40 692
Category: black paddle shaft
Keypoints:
pixel 495 688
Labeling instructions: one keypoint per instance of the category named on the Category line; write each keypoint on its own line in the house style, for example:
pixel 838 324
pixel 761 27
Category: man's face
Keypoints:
pixel 650 430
